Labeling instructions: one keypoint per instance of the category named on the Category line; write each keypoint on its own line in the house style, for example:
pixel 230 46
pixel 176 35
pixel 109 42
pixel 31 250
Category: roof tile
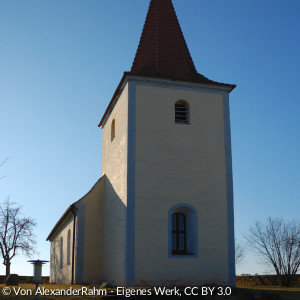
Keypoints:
pixel 162 50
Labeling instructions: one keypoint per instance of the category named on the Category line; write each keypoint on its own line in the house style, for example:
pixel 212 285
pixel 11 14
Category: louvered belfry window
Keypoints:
pixel 182 112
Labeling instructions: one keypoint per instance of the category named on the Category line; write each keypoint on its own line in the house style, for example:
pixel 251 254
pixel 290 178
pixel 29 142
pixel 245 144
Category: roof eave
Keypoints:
pixel 70 210
pixel 114 99
pixel 211 84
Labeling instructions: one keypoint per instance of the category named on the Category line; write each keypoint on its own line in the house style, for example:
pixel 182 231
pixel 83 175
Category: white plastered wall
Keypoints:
pixel 88 252
pixel 114 165
pixel 64 274
pixel 92 204
pixel 179 163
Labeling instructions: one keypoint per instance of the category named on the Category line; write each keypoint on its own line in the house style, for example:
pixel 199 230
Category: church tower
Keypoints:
pixel 168 204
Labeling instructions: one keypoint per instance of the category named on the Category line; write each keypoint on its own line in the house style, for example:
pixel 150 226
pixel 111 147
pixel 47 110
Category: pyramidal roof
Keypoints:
pixel 162 50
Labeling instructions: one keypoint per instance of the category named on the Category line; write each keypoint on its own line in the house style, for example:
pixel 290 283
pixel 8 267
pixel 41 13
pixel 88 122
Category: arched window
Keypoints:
pixel 69 247
pixel 178 234
pixel 182 112
pixel 113 130
pixel 183 233
pixel 61 262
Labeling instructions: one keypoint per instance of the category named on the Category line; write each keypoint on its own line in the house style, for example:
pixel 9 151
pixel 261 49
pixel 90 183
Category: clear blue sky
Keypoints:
pixel 61 60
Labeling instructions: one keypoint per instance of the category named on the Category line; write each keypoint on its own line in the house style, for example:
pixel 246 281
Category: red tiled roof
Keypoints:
pixel 162 50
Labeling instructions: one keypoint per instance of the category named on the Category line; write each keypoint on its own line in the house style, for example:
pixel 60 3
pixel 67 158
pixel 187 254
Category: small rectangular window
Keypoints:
pixel 113 130
pixel 181 112
pixel 61 263
pixel 178 234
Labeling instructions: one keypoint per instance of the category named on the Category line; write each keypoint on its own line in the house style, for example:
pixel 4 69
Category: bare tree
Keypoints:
pixel 240 253
pixel 16 233
pixel 278 242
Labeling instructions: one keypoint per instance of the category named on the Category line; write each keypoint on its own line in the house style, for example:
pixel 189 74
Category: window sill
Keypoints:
pixel 186 255
pixel 183 123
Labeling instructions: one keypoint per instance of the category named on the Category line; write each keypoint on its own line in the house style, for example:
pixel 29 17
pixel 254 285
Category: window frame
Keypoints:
pixel 177 233
pixel 191 220
pixel 61 252
pixel 69 248
pixel 181 116
pixel 113 130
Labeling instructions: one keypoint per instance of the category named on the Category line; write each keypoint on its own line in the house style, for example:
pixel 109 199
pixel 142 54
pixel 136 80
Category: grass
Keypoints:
pixel 291 293
pixel 270 288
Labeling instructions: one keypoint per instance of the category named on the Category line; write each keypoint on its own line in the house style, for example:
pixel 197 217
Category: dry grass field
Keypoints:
pixel 282 293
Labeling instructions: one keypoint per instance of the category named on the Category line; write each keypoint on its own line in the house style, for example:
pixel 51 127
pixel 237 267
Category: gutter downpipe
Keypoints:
pixel 73 244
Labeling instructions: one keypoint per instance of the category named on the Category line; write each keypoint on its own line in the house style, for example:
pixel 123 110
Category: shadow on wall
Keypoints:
pixel 114 235
pixel 57 272
pixel 100 239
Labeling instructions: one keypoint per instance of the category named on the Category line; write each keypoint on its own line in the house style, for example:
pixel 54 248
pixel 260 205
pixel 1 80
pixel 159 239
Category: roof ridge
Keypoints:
pixel 185 44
